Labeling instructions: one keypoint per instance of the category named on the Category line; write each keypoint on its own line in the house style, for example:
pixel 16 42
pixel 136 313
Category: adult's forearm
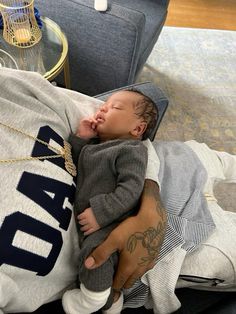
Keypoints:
pixel 138 240
pixel 152 216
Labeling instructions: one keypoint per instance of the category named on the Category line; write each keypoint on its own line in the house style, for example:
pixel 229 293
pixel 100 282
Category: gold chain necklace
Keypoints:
pixel 64 152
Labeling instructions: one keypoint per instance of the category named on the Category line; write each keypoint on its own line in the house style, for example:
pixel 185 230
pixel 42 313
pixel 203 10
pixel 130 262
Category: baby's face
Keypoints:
pixel 117 118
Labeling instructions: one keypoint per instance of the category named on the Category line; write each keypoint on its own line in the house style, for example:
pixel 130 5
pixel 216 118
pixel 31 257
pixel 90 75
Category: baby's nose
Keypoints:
pixel 104 108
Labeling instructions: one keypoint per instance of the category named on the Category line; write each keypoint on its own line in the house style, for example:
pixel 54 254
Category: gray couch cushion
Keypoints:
pixel 153 11
pixel 106 50
pixel 93 35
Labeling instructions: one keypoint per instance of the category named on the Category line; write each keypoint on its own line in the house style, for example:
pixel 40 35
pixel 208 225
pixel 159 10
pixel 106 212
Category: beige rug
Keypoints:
pixel 196 68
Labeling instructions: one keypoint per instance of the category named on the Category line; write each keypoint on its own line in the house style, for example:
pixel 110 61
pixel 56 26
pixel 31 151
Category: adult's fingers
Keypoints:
pixel 137 274
pixel 101 253
pixel 125 277
pixel 130 268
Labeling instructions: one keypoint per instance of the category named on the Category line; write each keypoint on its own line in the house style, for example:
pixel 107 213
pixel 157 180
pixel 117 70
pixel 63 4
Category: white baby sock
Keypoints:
pixel 84 301
pixel 116 307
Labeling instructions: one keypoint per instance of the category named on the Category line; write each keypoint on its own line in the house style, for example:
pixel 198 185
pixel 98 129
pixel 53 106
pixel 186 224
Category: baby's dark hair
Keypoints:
pixel 146 108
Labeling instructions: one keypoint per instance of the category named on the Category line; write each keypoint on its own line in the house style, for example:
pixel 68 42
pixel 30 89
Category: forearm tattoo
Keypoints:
pixel 151 190
pixel 152 238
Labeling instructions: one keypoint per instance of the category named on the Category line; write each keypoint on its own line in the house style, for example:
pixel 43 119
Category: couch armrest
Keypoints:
pixel 103 46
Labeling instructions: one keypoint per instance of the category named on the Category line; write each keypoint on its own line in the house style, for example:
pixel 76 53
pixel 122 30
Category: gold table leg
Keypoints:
pixel 67 73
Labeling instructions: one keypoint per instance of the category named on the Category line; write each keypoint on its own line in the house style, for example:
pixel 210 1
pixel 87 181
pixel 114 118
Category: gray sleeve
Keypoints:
pixel 131 168
pixel 77 144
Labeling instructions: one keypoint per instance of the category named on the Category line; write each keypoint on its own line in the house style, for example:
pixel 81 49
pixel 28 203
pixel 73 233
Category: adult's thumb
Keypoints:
pixel 101 254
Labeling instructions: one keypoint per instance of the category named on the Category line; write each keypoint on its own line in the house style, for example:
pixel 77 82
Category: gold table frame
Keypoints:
pixel 53 38
pixel 63 63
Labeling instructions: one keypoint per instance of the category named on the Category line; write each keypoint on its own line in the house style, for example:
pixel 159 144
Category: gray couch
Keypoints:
pixel 106 49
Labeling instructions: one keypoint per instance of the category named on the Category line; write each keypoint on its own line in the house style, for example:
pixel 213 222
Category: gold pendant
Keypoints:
pixel 69 165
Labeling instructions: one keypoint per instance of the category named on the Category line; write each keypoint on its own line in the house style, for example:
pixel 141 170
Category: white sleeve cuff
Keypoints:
pixel 153 164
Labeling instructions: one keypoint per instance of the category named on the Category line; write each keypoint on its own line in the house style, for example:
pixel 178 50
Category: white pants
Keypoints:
pixel 212 266
pixel 216 257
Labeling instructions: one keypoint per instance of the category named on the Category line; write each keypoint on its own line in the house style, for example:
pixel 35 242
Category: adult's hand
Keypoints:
pixel 138 240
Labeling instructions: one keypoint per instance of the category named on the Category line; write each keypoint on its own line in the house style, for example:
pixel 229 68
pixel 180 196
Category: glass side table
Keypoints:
pixel 49 57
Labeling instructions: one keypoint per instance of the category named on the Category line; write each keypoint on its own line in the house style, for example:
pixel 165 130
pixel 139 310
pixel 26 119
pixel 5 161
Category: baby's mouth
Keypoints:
pixel 100 118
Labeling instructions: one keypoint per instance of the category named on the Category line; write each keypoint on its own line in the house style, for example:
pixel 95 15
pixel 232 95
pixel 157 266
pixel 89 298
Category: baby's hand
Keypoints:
pixel 87 128
pixel 88 221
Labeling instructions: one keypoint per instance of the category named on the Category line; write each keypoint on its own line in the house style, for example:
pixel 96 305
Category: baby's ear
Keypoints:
pixel 139 129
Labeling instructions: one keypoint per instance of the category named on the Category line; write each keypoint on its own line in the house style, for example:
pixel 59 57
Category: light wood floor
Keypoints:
pixel 217 14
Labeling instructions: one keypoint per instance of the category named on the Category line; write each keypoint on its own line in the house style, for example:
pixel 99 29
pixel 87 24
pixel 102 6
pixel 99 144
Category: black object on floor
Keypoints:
pixel 193 302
